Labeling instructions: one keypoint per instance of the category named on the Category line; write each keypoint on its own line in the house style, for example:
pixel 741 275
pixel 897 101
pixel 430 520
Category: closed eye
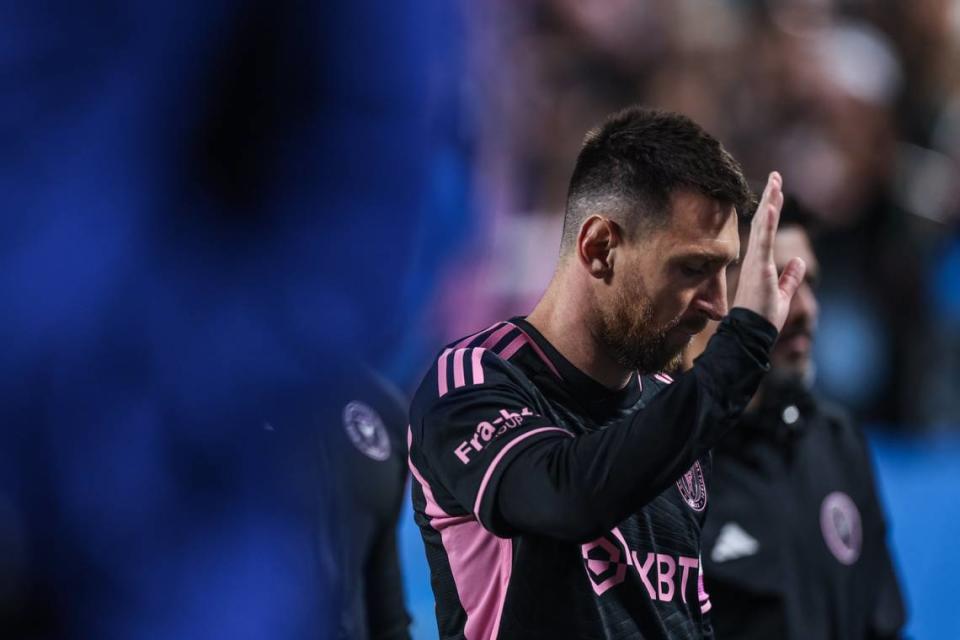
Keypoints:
pixel 692 271
pixel 698 265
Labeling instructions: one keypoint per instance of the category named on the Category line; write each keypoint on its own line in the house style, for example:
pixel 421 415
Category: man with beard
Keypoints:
pixel 795 543
pixel 560 480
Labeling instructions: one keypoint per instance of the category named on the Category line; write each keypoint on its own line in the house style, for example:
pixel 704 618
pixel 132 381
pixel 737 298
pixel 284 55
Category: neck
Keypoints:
pixel 563 318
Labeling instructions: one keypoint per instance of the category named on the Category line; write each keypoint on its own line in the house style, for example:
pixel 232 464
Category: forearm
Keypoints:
pixel 576 488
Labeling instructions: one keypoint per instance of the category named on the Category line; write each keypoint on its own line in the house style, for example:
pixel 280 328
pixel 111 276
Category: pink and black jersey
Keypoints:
pixel 553 507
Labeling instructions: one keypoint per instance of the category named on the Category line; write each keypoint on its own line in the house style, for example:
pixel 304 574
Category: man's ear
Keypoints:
pixel 596 244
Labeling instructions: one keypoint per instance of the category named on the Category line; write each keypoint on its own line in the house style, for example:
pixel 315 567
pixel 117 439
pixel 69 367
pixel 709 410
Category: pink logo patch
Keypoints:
pixel 605 564
pixel 693 488
pixel 840 523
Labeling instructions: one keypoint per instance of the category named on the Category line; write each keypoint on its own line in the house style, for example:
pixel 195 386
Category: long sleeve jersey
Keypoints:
pixel 553 507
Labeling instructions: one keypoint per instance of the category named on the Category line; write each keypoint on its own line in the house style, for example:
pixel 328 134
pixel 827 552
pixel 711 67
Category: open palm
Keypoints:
pixel 761 288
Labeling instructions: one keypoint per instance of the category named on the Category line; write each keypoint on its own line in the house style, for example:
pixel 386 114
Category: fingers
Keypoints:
pixel 792 277
pixel 767 217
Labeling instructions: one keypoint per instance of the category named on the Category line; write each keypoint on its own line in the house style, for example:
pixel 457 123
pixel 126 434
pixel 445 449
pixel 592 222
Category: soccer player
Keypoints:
pixel 794 546
pixel 560 480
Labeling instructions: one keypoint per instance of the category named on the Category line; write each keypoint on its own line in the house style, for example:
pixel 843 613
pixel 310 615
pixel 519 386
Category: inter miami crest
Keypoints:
pixel 693 488
pixel 840 523
pixel 366 431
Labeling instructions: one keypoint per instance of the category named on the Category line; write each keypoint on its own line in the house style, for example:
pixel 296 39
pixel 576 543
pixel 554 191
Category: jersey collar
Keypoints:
pixel 589 392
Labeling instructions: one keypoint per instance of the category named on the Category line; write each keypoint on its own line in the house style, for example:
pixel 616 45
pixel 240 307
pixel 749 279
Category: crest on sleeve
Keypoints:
pixel 366 430
pixel 840 523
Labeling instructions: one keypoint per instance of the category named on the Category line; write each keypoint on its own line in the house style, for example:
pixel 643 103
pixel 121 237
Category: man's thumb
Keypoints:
pixel 792 277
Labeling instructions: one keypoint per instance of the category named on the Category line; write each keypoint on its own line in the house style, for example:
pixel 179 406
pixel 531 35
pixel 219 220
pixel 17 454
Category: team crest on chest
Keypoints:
pixel 693 488
pixel 366 431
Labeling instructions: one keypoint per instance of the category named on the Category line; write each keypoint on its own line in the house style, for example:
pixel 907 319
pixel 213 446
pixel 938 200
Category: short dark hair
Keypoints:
pixel 631 164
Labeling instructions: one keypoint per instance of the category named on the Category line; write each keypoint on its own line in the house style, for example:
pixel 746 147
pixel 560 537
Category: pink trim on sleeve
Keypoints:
pixel 442 372
pixel 476 367
pixel 459 379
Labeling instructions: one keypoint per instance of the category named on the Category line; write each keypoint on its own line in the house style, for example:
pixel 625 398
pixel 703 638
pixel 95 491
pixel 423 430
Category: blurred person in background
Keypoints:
pixel 560 479
pixel 364 462
pixel 795 541
pixel 186 186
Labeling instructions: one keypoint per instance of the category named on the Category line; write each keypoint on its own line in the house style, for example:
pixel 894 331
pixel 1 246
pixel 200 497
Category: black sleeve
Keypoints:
pixel 387 616
pixel 576 488
pixel 465 436
pixel 888 615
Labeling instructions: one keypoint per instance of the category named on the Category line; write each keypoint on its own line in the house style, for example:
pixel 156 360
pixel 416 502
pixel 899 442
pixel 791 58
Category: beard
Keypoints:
pixel 628 333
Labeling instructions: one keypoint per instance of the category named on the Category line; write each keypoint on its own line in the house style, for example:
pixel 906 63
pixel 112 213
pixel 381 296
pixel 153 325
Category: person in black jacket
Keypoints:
pixel 794 544
pixel 363 462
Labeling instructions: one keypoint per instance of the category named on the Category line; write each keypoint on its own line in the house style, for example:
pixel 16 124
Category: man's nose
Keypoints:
pixel 712 299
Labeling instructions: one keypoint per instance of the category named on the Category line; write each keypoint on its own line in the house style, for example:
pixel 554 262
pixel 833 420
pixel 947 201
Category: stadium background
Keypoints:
pixel 200 198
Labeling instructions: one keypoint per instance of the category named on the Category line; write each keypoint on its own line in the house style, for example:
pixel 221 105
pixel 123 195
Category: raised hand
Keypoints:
pixel 761 289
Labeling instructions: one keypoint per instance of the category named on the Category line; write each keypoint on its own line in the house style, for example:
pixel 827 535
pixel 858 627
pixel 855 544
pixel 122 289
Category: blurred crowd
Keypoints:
pixel 856 102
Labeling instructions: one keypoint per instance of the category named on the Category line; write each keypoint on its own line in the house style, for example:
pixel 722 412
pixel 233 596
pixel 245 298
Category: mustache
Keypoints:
pixel 691 326
pixel 696 326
